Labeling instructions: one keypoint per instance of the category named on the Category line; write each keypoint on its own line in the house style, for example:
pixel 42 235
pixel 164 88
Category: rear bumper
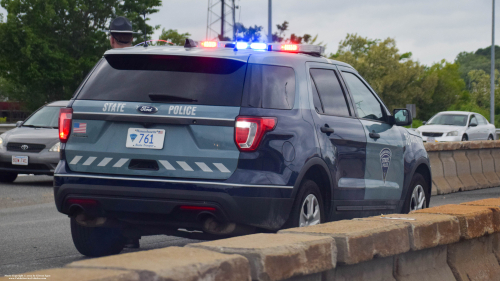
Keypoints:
pixel 158 200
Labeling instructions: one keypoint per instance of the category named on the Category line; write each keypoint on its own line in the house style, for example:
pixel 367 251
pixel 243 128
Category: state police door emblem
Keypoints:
pixel 385 161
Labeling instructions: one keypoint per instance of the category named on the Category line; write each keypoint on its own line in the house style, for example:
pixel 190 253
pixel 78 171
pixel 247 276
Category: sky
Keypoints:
pixel 431 29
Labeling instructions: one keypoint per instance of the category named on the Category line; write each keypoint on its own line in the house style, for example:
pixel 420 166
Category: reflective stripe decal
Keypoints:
pixel 104 162
pixel 222 168
pixel 75 160
pixel 203 167
pixel 167 165
pixel 120 163
pixel 185 166
pixel 89 161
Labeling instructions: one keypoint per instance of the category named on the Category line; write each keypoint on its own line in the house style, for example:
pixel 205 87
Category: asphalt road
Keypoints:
pixel 34 236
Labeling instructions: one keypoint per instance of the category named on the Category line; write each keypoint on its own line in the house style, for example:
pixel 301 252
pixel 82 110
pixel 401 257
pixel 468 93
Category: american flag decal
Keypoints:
pixel 80 128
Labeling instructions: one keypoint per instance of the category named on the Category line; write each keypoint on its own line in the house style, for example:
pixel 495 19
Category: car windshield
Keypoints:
pixel 449 119
pixel 46 117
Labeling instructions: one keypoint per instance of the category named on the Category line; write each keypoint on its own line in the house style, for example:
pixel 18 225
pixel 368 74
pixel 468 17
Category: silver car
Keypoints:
pixel 456 126
pixel 32 147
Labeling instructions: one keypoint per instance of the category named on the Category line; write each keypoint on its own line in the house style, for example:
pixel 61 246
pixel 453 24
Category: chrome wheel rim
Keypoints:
pixel 418 201
pixel 310 213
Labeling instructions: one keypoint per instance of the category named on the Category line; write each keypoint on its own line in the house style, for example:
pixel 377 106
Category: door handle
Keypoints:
pixel 327 130
pixel 374 135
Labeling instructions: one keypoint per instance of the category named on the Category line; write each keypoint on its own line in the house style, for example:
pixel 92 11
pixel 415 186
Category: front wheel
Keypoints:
pixel 97 241
pixel 418 197
pixel 308 207
pixel 490 138
pixel 465 138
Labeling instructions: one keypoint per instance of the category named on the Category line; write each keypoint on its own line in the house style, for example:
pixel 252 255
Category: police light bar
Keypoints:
pixel 209 44
pixel 297 48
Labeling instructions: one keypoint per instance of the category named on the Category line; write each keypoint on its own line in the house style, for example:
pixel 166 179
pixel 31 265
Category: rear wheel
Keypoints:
pixel 308 207
pixel 8 177
pixel 418 197
pixel 465 138
pixel 97 241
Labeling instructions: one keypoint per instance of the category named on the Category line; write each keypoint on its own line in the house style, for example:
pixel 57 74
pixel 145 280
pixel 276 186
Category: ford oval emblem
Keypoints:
pixel 147 109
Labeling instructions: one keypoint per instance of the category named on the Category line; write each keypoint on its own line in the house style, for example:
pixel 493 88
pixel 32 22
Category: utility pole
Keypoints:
pixel 492 75
pixel 234 21
pixel 270 22
pixel 222 19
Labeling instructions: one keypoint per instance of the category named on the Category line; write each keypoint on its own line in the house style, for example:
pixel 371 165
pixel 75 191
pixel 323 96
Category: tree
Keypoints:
pixel 49 46
pixel 250 34
pixel 398 79
pixel 178 39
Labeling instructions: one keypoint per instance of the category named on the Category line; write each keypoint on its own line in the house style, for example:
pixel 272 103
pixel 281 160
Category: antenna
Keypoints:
pixel 217 21
pixel 145 30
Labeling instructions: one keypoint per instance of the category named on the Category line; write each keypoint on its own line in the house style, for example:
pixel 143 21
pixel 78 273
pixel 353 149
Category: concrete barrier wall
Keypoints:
pixel 461 166
pixel 450 242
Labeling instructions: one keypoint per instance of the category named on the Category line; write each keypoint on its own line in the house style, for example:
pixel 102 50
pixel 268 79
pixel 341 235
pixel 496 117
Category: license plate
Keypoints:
pixel 20 160
pixel 145 138
pixel 431 139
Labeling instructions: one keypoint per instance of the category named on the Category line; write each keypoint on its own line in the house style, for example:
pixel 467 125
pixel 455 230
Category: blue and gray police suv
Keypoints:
pixel 224 139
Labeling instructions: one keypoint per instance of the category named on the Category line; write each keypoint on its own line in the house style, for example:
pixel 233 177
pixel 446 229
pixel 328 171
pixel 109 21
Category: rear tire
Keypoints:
pixel 418 195
pixel 465 138
pixel 308 208
pixel 97 241
pixel 8 177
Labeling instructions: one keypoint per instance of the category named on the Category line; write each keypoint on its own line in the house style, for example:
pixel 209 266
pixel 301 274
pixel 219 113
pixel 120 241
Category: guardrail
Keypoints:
pixel 450 242
pixel 5 127
pixel 459 166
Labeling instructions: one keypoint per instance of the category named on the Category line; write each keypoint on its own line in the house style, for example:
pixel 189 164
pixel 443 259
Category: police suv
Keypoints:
pixel 229 138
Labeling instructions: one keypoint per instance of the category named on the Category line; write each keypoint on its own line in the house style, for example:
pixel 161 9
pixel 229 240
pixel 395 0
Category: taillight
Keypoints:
pixel 250 130
pixel 65 116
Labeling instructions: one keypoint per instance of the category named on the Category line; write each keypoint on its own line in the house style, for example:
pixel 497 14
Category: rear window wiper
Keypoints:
pixel 167 98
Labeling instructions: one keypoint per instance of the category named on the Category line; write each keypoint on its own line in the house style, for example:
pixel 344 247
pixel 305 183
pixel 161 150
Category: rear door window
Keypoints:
pixel 168 79
pixel 269 86
pixel 331 95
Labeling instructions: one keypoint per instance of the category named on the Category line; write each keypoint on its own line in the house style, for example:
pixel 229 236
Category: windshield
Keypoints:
pixel 46 117
pixel 449 119
pixel 168 79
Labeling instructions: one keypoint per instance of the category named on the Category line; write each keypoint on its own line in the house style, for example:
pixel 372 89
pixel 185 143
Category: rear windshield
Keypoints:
pixel 47 117
pixel 169 79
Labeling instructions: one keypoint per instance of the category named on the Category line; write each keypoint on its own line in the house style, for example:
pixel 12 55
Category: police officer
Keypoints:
pixel 120 33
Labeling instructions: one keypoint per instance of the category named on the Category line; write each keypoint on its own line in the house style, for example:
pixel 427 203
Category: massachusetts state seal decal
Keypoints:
pixel 385 161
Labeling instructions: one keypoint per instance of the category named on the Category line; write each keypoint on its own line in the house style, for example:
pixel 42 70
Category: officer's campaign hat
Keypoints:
pixel 120 25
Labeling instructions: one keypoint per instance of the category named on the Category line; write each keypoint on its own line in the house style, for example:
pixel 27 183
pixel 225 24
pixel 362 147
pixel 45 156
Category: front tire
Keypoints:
pixel 490 138
pixel 97 241
pixel 465 138
pixel 8 177
pixel 308 208
pixel 418 195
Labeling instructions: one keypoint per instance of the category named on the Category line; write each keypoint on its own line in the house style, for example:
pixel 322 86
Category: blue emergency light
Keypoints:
pixel 277 47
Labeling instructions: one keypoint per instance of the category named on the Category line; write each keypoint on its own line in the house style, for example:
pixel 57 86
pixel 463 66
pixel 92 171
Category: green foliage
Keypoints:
pixel 415 124
pixel 49 46
pixel 178 39
pixel 250 34
pixel 3 120
pixel 478 60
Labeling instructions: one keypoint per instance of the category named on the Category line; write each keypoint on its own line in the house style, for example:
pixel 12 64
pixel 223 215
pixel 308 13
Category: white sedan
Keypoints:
pixel 456 126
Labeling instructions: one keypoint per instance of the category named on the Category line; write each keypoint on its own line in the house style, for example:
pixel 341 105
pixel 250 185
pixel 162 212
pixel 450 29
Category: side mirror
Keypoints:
pixel 424 122
pixel 402 117
pixel 19 123
pixel 473 125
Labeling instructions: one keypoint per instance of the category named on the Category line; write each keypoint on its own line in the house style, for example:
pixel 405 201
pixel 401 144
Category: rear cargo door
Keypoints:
pixel 160 116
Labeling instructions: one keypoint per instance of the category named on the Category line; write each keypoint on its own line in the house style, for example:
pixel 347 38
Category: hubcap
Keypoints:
pixel 417 199
pixel 310 213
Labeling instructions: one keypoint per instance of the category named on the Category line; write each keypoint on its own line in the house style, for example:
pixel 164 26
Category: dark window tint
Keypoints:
pixel 330 92
pixel 269 86
pixel 168 79
pixel 46 117
pixel 366 104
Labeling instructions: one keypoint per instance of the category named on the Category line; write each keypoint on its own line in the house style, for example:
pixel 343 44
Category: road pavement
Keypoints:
pixel 34 236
